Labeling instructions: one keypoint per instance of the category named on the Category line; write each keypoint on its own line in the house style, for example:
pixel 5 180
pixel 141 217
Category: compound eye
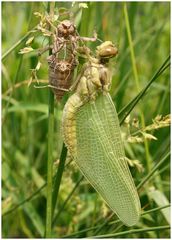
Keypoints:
pixel 107 50
pixel 66 24
pixel 72 29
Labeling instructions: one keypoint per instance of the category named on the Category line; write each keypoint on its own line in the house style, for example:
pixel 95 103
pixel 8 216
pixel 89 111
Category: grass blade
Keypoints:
pixel 153 171
pixel 58 177
pixel 50 165
pixel 11 49
pixel 129 107
pixel 141 230
pixel 67 200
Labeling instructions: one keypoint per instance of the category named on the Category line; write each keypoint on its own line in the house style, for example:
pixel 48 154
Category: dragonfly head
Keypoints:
pixel 106 50
pixel 66 28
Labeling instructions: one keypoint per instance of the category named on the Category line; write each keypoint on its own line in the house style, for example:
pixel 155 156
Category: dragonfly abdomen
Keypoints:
pixel 69 122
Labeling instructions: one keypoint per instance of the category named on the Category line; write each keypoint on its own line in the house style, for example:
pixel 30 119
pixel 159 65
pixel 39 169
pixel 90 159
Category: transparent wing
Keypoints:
pixel 101 158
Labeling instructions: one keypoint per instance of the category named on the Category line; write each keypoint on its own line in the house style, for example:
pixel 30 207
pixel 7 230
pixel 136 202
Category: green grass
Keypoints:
pixel 140 87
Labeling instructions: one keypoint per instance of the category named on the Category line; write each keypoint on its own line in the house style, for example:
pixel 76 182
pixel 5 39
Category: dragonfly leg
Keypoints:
pixel 43 50
pixel 89 39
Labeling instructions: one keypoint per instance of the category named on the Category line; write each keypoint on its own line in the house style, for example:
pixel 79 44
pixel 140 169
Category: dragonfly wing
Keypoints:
pixel 101 158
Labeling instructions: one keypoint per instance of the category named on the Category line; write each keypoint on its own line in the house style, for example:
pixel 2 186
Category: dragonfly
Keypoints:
pixel 91 132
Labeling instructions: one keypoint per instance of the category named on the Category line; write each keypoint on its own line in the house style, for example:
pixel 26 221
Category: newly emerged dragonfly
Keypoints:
pixel 92 135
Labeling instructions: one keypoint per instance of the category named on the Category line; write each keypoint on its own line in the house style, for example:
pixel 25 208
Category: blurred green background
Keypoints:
pixel 25 121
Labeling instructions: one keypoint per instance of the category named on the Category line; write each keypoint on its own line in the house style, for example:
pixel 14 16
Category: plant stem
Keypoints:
pixel 135 72
pixel 24 201
pixel 131 47
pixel 153 171
pixel 50 166
pixel 50 150
pixel 125 111
pixel 58 177
pixel 67 200
pixel 100 227
pixel 11 49
pixel 141 230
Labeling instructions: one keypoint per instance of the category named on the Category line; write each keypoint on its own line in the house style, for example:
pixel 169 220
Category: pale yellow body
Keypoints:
pixel 94 78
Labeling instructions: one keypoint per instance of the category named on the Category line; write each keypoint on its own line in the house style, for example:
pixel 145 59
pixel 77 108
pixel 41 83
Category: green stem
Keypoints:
pixel 67 200
pixel 16 44
pixel 48 227
pixel 153 171
pixel 135 72
pixel 24 201
pixel 156 209
pixel 99 227
pixel 130 40
pixel 104 224
pixel 50 166
pixel 125 111
pixel 142 230
pixel 58 178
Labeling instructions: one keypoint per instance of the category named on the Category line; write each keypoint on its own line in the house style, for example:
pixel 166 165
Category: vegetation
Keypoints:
pixel 31 137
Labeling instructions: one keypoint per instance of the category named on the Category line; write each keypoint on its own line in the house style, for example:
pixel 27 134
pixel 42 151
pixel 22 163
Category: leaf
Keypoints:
pixel 38 180
pixel 44 31
pixel 6 204
pixel 83 5
pixel 30 81
pixel 148 136
pixel 128 108
pixel 34 217
pixel 26 50
pixel 73 3
pixel 135 163
pixel 38 14
pixel 5 171
pixel 33 76
pixel 23 107
pixel 38 66
pixel 136 139
pixel 127 120
pixel 55 17
pixel 161 200
pixel 30 40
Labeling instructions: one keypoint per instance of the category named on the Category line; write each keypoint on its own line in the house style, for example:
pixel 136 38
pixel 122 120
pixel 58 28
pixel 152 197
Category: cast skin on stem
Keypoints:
pixel 63 60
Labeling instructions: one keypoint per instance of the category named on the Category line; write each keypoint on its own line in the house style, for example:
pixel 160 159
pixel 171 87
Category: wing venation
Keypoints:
pixel 101 157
